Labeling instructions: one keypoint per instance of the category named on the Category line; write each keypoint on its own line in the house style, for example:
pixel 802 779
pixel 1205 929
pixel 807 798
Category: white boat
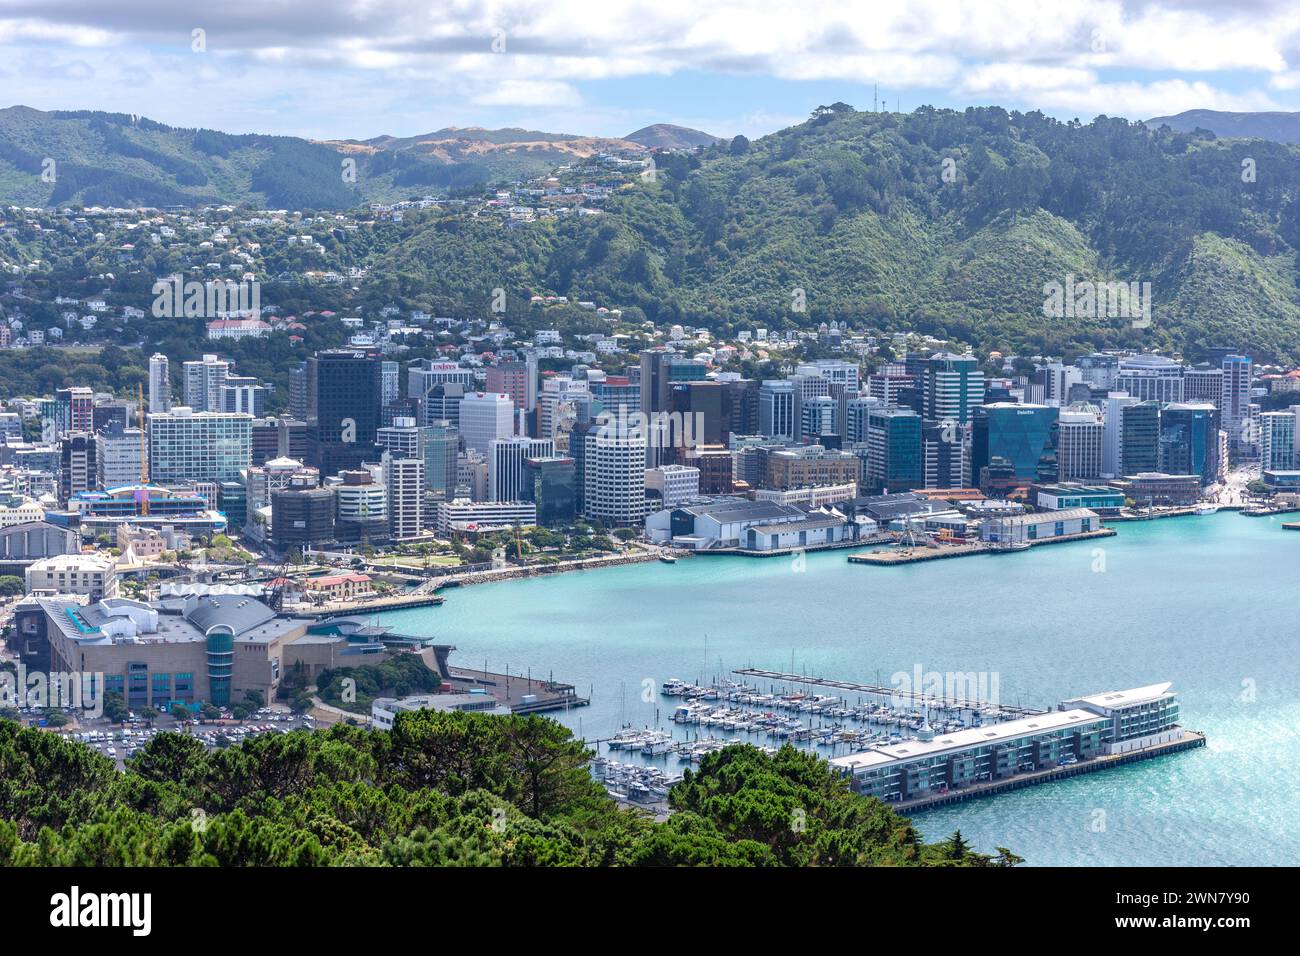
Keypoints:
pixel 1206 508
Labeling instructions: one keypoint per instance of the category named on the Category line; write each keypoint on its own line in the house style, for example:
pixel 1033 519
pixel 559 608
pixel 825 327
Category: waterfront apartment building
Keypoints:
pixel 1079 730
pixel 186 445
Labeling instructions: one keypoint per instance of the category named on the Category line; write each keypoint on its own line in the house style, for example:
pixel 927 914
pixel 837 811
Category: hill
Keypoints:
pixel 945 222
pixel 667 136
pixel 117 159
pixel 1277 127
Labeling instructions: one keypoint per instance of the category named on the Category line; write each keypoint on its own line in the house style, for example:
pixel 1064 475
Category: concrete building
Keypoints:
pixel 91 574
pixel 160 383
pixel 1080 443
pixel 614 461
pixel 462 515
pixel 506 457
pixel 206 446
pixel 203 378
pixel 672 484
pixel 404 479
pixel 485 417
pixel 119 455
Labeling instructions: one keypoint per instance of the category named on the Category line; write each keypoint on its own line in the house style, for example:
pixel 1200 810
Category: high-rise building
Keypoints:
pixel 1235 416
pixel 1151 378
pixel 895 459
pixel 776 408
pixel 442 404
pixel 954 386
pixel 298 392
pixel 73 410
pixel 160 383
pixel 118 454
pixel 516 380
pixel 362 507
pixel 344 389
pixel 242 395
pixel 1112 439
pixel 265 480
pixel 484 418
pixel 1277 433
pixel 402 439
pixel 441 447
pixel 1139 438
pixel 187 445
pixel 550 483
pixel 1023 435
pixel 1080 442
pixel 390 381
pixel 203 379
pixel 77 471
pixel 404 478
pixel 1189 440
pixel 1204 383
pixel 302 516
pixel 614 474
pixel 426 373
pixel 946 451
pixel 506 457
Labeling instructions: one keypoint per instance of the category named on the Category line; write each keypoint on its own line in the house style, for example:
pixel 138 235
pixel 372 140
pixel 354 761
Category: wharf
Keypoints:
pixel 510 690
pixel 916 697
pixel 912 555
pixel 1190 740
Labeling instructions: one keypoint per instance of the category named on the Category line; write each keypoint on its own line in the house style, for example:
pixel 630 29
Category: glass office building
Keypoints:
pixel 1023 435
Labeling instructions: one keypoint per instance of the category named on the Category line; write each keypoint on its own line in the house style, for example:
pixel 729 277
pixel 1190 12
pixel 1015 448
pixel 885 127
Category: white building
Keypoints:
pixel 384 710
pixel 614 475
pixel 674 483
pixel 404 479
pixel 118 456
pixel 1080 434
pixel 203 446
pixel 464 515
pixel 160 383
pixel 202 383
pixel 506 464
pixel 484 418
pixel 91 574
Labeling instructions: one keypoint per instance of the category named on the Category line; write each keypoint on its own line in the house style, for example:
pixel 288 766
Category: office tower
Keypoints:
pixel 442 403
pixel 118 452
pixel 1139 438
pixel 888 384
pixel 614 475
pixel 1080 440
pixel 441 447
pixel 1151 378
pixel 697 416
pixel 1112 448
pixel 390 381
pixel 160 383
pixel 846 374
pixel 562 403
pixel 1099 370
pixel 404 478
pixel 302 516
pixel 201 446
pixel 947 459
pixel 203 379
pixel 362 515
pixel 672 484
pixel 1204 383
pixel 298 392
pixel 77 472
pixel 472 475
pixel 820 421
pixel 485 417
pixel 243 396
pixel 73 411
pixel 855 423
pixel 617 394
pixel 425 374
pixel 551 484
pixel 1277 431
pixel 806 389
pixel 953 387
pixel 776 408
pixel 516 380
pixel 1189 440
pixel 1057 379
pixel 1023 435
pixel 402 439
pixel 1235 406
pixel 343 387
pixel 263 481
pixel 739 406
pixel 506 458
pixel 895 461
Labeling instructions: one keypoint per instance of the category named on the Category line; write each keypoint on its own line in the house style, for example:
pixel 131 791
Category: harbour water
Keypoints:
pixel 1206 602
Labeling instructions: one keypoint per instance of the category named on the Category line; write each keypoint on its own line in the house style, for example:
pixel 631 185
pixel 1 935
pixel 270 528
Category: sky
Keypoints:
pixel 334 69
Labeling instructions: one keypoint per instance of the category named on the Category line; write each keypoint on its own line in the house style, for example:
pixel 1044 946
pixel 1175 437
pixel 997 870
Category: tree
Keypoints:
pixel 11 585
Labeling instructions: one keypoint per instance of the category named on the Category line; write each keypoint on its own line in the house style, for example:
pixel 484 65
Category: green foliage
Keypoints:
pixel 451 789
pixel 399 676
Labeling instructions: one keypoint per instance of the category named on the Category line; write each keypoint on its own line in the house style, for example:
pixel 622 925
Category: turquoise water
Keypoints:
pixel 1206 602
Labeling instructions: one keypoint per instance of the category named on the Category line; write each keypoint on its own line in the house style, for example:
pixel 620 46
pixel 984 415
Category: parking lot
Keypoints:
pixel 121 742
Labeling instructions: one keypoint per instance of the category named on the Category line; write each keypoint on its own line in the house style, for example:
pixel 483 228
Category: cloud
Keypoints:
pixel 410 57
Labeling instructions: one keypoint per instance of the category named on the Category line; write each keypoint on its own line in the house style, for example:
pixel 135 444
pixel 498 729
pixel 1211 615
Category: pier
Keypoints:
pixel 1190 740
pixel 917 553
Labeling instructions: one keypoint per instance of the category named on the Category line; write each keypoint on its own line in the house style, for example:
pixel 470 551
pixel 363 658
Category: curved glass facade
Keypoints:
pixel 221 666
